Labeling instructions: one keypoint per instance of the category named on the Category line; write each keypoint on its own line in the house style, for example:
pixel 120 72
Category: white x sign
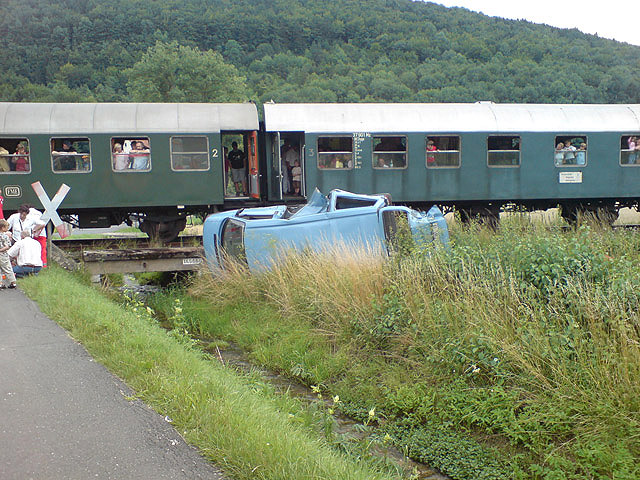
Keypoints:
pixel 50 206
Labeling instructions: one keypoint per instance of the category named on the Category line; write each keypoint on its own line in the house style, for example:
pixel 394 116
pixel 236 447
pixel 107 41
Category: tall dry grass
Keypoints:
pixel 548 316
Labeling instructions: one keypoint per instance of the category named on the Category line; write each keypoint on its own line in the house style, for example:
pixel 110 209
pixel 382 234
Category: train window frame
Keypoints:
pixel 171 153
pixel 320 154
pixel 429 153
pixel 624 140
pixel 519 150
pixel 129 169
pixel 4 142
pixel 73 139
pixel 570 137
pixel 405 152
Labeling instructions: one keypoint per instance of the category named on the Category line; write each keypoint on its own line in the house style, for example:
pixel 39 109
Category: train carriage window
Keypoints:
pixel 630 150
pixel 190 153
pixel 390 152
pixel 71 154
pixel 14 155
pixel 570 150
pixel 130 154
pixel 443 151
pixel 503 151
pixel 335 152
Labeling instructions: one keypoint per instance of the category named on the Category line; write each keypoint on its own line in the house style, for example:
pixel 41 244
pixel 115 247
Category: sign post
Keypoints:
pixel 50 206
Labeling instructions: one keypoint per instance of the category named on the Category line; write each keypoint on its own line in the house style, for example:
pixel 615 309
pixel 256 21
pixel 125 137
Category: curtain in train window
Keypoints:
pixel 335 152
pixel 14 155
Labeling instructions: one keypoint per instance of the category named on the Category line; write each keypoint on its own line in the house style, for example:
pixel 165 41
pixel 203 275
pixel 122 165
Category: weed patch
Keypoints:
pixel 515 354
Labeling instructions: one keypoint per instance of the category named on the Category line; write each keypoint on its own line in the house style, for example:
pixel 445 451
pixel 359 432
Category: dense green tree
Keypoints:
pixel 353 50
pixel 169 72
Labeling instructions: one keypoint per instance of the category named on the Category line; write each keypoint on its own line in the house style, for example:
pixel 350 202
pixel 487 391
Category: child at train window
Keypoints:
pixel 6 271
pixel 632 141
pixel 20 160
pixel 581 154
pixel 431 158
pixel 559 158
pixel 569 153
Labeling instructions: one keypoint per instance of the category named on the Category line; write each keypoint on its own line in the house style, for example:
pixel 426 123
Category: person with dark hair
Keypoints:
pixel 26 253
pixel 65 159
pixel 18 222
pixel 237 159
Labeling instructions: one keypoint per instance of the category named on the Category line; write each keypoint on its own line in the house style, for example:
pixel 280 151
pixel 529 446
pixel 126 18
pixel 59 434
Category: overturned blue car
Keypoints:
pixel 258 237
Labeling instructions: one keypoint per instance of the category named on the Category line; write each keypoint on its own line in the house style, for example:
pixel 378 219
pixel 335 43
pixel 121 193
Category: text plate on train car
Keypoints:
pixel 570 177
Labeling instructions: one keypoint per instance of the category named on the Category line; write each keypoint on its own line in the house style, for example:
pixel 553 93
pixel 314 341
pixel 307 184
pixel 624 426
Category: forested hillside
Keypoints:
pixel 299 51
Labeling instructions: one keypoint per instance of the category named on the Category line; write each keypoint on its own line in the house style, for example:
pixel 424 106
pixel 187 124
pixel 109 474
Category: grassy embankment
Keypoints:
pixel 238 422
pixel 513 355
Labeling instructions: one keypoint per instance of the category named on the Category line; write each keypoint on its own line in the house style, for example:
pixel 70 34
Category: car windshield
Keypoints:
pixel 394 222
pixel 233 240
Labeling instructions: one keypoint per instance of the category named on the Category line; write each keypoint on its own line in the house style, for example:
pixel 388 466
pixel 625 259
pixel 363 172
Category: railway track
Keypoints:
pixel 127 254
pixel 122 242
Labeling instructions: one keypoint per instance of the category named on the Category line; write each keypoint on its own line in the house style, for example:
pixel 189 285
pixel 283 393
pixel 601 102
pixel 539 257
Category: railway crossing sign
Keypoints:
pixel 50 206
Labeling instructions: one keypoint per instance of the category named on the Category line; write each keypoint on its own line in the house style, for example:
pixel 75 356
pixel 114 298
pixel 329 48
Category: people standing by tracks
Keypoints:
pixel 6 271
pixel 27 255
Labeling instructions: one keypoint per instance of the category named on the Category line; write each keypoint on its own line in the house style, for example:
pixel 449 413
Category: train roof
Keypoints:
pixel 131 118
pixel 449 117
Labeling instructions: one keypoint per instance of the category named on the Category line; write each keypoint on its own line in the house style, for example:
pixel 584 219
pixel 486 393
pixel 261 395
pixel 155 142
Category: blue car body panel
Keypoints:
pixel 341 218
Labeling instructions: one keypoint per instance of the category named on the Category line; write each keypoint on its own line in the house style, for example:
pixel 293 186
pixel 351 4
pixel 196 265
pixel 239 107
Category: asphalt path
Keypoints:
pixel 64 416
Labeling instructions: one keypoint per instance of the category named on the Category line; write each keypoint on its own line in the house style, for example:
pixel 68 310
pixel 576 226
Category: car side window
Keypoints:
pixel 233 240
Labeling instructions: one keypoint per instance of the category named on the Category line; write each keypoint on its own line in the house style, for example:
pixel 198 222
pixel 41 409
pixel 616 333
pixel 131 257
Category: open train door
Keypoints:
pixel 285 128
pixel 277 166
pixel 252 160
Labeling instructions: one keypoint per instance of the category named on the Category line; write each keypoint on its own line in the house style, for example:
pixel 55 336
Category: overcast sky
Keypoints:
pixel 616 19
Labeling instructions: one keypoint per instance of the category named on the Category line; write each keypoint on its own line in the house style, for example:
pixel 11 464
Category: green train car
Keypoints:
pixel 475 158
pixel 154 163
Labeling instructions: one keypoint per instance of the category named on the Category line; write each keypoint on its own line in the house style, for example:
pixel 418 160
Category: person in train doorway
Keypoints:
pixel 238 161
pixel 290 156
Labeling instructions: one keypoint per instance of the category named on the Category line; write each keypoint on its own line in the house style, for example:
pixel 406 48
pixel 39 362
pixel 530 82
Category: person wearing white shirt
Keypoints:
pixel 27 253
pixel 38 232
pixel 18 222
